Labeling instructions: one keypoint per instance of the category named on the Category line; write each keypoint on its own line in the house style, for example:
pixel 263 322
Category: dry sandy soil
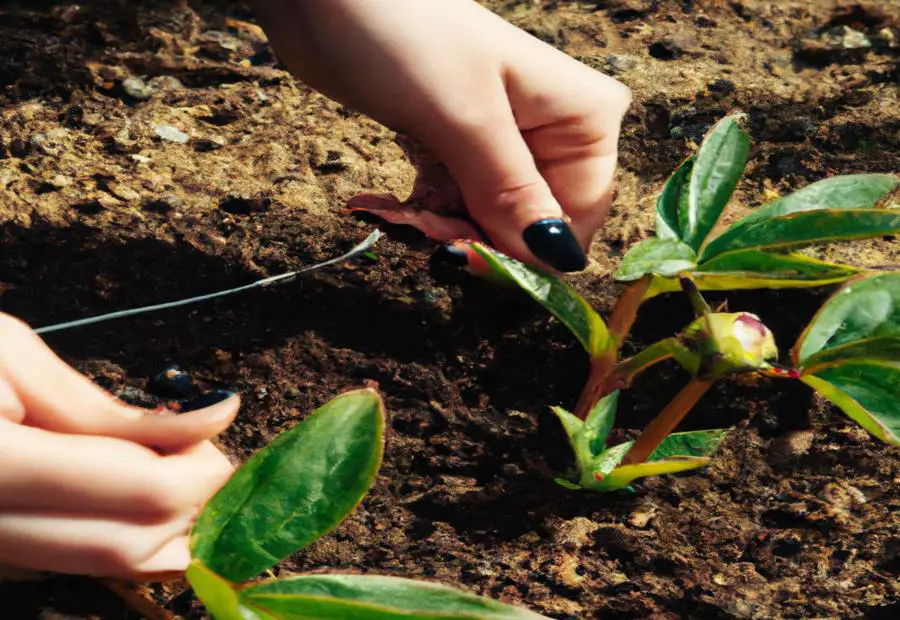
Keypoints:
pixel 798 517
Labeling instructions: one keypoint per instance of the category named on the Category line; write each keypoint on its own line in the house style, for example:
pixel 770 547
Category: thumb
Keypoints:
pixel 505 192
pixel 53 396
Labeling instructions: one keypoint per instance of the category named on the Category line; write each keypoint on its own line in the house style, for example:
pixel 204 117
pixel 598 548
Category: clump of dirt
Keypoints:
pixel 157 150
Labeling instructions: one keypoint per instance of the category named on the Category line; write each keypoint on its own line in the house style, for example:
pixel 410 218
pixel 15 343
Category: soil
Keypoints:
pixel 796 518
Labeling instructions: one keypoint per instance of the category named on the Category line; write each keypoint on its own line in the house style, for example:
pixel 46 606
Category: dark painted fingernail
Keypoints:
pixel 172 382
pixel 552 242
pixel 207 400
pixel 452 255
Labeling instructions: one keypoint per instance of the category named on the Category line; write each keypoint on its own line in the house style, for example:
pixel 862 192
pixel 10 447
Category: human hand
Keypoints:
pixel 529 134
pixel 89 485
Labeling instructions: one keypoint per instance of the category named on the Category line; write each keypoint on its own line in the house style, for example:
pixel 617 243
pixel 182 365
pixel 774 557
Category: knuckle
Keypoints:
pixel 10 325
pixel 111 555
pixel 166 492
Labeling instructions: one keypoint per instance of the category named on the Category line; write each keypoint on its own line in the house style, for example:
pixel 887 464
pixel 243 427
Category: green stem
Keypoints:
pixel 663 424
pixel 690 289
pixel 625 371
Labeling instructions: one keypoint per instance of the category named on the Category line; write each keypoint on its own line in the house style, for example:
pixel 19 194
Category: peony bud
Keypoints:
pixel 730 343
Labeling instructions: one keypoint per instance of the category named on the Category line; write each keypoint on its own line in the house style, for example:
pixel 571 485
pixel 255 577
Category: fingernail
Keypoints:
pixel 207 400
pixel 452 255
pixel 552 242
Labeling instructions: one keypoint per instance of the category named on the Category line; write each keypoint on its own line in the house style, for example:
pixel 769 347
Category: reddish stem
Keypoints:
pixel 666 421
pixel 596 384
pixel 625 311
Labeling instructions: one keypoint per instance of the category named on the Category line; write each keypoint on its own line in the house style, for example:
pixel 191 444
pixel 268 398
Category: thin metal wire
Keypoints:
pixel 364 246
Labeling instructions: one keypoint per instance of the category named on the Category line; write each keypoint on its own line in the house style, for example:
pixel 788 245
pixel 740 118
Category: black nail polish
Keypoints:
pixel 552 242
pixel 207 400
pixel 451 255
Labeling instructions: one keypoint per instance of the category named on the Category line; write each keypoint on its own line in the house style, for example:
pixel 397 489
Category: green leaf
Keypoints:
pixel 864 308
pixel 599 422
pixel 678 452
pixel 806 228
pixel 370 597
pixel 885 348
pixel 556 296
pixel 760 263
pixel 219 596
pixel 740 280
pixel 665 257
pixel 866 390
pixel 694 443
pixel 717 169
pixel 672 200
pixel 857 191
pixel 293 491
pixel 623 476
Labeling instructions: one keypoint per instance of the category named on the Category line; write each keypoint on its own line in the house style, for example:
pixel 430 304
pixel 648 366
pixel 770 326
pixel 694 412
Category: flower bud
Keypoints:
pixel 730 343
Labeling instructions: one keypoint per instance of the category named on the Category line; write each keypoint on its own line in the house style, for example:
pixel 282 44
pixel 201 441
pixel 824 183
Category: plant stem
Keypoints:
pixel 625 312
pixel 620 322
pixel 666 421
pixel 145 607
pixel 625 371
pixel 595 384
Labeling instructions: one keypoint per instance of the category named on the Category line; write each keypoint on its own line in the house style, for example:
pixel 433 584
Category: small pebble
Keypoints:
pixel 172 383
pixel 137 88
pixel 171 134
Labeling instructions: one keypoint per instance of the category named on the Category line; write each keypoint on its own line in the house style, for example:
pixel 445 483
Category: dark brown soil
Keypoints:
pixel 798 517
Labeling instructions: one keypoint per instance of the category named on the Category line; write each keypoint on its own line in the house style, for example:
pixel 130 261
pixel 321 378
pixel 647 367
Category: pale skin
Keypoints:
pixel 89 485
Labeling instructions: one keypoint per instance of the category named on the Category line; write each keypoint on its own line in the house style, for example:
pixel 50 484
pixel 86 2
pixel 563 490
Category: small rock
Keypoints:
pixel 617 63
pixel 791 445
pixel 574 533
pixel 165 82
pixel 136 88
pixel 172 383
pixel 171 134
pixel 641 518
pixel 846 38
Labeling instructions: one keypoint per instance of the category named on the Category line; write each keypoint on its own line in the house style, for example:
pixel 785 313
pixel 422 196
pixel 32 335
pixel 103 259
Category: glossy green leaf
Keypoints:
pixel 560 299
pixel 599 422
pixel 672 200
pixel 665 257
pixel 740 280
pixel 694 443
pixel 623 476
pixel 857 191
pixel 868 391
pixel 293 491
pixel 718 167
pixel 791 265
pixel 219 596
pixel 864 308
pixel 806 228
pixel 678 452
pixel 370 597
pixel 885 348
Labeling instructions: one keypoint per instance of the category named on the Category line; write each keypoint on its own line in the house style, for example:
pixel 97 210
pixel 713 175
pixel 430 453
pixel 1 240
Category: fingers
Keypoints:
pixel 93 546
pixel 503 188
pixel 100 476
pixel 100 506
pixel 58 398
